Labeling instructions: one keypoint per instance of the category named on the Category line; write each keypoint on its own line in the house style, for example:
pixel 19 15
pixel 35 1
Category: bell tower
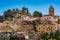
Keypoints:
pixel 51 11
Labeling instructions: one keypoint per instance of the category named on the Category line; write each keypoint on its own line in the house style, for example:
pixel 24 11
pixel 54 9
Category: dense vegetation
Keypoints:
pixel 37 14
pixel 50 36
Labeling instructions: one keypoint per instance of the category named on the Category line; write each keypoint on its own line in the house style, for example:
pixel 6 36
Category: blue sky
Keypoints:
pixel 32 5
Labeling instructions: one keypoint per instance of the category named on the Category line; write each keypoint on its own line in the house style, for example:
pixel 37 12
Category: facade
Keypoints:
pixel 46 28
pixel 47 24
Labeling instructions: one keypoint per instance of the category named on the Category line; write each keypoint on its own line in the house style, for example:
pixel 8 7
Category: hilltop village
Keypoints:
pixel 24 25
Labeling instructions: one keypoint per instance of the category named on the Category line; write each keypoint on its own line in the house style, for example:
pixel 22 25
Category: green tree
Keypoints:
pixel 27 10
pixel 39 37
pixel 1 18
pixel 34 26
pixel 57 35
pixel 24 8
pixel 8 10
pixel 8 15
pixel 13 9
pixel 17 9
pixel 45 36
pixel 37 14
pixel 52 35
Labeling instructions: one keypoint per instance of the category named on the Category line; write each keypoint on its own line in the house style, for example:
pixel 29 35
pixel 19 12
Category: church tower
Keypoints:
pixel 51 11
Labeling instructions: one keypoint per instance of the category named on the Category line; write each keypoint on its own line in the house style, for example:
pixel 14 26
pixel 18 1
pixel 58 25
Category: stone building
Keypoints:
pixel 51 11
pixel 46 28
pixel 47 24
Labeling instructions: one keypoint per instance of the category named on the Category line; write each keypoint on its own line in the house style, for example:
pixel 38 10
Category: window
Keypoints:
pixel 39 28
pixel 51 27
pixel 11 24
pixel 40 22
pixel 38 31
pixel 17 23
pixel 55 27
pixel 24 22
pixel 42 32
pixel 47 30
pixel 43 28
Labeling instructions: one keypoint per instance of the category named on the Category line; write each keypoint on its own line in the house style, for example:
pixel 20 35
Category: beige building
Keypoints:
pixel 43 28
